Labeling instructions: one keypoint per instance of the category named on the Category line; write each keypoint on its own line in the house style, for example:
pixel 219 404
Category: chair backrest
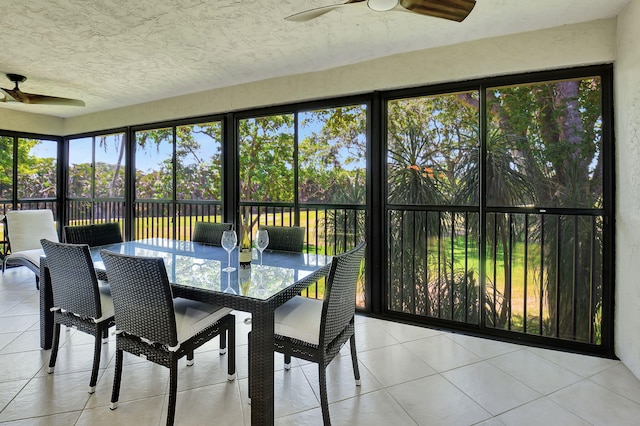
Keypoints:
pixel 73 278
pixel 93 235
pixel 25 229
pixel 339 303
pixel 142 297
pixel 209 233
pixel 285 238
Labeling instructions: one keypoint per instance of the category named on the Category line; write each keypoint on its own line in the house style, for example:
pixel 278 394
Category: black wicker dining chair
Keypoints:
pixel 94 235
pixel 285 238
pixel 315 330
pixel 78 300
pixel 209 233
pixel 152 324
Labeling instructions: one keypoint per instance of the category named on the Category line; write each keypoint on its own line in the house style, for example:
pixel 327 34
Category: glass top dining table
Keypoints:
pixel 196 272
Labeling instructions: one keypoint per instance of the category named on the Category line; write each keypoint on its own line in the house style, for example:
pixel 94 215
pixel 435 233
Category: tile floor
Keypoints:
pixel 410 376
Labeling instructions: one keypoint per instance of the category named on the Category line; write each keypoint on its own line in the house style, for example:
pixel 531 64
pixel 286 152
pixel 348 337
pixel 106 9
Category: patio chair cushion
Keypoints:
pixel 32 256
pixel 28 227
pixel 192 317
pixel 299 319
pixel 106 302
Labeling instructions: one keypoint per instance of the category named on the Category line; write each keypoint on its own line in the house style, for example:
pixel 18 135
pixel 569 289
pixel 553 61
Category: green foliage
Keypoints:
pixel 332 156
pixel 198 162
pixel 37 176
pixel 6 167
pixel 266 158
pixel 428 140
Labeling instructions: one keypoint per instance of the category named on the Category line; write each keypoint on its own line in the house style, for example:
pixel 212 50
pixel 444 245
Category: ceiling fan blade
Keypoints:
pixel 5 96
pixel 453 10
pixel 34 99
pixel 308 15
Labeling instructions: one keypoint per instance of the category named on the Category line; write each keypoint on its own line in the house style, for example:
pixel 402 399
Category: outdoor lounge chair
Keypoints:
pixel 24 230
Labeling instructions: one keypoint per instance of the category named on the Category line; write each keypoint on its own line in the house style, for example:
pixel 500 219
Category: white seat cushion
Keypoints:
pixel 28 227
pixel 192 317
pixel 32 256
pixel 299 318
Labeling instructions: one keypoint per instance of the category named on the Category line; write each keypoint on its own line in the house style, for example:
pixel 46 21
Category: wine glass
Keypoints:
pixel 229 289
pixel 229 241
pixel 262 241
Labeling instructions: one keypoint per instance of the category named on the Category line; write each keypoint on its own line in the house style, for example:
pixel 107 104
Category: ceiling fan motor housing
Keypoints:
pixel 16 78
pixel 382 5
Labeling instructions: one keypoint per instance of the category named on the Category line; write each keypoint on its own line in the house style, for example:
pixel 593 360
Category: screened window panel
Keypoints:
pixel 432 150
pixel 37 168
pixel 79 182
pixel 110 166
pixel 199 162
pixel 266 147
pixel 544 144
pixel 154 168
pixel 6 166
pixel 332 152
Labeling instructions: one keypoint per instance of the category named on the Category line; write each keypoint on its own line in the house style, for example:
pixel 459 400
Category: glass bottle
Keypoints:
pixel 245 245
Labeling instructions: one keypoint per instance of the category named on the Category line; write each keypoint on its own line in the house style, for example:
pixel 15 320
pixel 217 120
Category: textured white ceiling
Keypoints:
pixel 113 53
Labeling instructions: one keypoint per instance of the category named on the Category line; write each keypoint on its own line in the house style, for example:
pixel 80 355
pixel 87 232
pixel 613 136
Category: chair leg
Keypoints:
pixel 287 362
pixel 54 347
pixel 324 401
pixel 173 387
pixel 117 377
pixel 231 360
pixel 97 348
pixel 249 367
pixel 37 282
pixel 223 343
pixel 354 359
pixel 190 359
pixel 105 335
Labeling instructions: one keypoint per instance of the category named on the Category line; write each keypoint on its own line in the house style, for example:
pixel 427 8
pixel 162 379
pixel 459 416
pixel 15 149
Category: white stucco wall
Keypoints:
pixel 33 123
pixel 566 46
pixel 627 118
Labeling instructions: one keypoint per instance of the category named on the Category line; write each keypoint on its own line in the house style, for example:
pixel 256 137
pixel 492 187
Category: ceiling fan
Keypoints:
pixel 454 10
pixel 17 95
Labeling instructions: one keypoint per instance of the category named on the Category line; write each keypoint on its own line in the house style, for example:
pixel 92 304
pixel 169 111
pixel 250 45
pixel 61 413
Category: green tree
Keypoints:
pixel 266 158
pixel 332 156
pixel 37 176
pixel 6 167
pixel 197 176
